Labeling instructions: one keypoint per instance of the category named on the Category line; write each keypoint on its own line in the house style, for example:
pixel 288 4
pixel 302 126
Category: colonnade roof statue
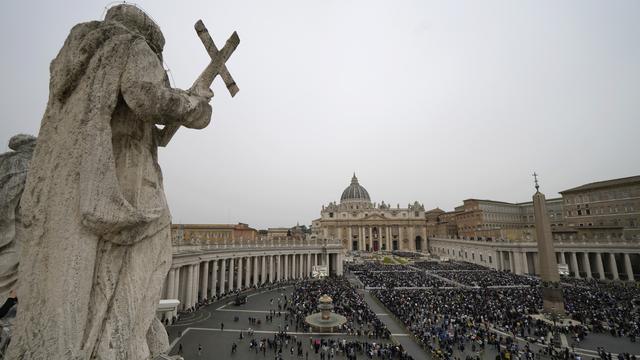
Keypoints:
pixel 97 244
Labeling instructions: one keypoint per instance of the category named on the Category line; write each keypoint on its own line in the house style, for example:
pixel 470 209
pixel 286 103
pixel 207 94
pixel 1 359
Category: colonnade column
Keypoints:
pixel 214 277
pixel 613 266
pixel 223 278
pixel 239 278
pixel 247 273
pixel 270 257
pixel 294 266
pixel 587 264
pixel 628 268
pixel 563 260
pixel 263 269
pixel 286 267
pixel 600 266
pixel 204 281
pixel 574 265
pixel 231 271
pixel 170 284
pixel 189 287
pixel 196 279
pixel 309 265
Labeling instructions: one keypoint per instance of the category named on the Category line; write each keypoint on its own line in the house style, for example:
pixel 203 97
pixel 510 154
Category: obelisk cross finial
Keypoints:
pixel 535 179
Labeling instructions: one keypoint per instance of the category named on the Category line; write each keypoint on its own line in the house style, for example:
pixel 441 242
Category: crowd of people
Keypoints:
pixel 447 265
pixel 606 307
pixel 450 321
pixel 393 279
pixel 282 345
pixel 361 320
pixel 369 266
pixel 484 278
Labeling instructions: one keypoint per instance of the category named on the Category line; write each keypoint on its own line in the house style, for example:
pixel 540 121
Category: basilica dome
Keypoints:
pixel 355 192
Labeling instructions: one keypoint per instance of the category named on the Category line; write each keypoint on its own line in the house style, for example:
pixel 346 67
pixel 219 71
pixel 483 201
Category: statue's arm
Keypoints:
pixel 146 91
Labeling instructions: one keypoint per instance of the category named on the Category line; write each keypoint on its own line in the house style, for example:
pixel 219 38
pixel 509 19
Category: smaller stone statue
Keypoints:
pixel 13 174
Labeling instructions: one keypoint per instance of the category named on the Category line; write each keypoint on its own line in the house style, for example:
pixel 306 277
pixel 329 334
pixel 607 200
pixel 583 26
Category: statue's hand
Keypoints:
pixel 200 116
pixel 202 92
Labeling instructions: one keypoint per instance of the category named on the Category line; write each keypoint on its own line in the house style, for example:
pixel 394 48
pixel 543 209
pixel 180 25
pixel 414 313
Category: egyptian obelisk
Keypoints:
pixel 552 299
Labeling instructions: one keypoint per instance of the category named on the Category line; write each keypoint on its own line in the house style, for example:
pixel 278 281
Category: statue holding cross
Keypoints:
pixel 97 245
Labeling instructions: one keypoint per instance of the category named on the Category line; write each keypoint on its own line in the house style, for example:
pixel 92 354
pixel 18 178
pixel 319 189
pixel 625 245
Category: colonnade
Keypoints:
pixel 592 261
pixel 194 277
pixel 581 264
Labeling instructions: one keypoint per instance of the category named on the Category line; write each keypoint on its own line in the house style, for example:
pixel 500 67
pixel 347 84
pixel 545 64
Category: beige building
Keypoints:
pixel 489 219
pixel 366 226
pixel 605 209
pixel 211 234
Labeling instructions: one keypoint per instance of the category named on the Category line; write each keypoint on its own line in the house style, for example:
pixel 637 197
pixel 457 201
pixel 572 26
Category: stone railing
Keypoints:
pixel 257 245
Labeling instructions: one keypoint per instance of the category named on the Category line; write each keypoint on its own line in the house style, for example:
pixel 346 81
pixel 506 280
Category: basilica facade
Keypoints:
pixel 366 226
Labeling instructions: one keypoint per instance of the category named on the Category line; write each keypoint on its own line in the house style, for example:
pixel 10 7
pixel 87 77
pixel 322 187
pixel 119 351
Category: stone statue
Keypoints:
pixel 97 243
pixel 13 174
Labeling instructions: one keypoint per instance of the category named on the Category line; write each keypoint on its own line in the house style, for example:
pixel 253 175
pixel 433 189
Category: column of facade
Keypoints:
pixel 400 237
pixel 525 263
pixel 574 265
pixel 412 238
pixel 587 265
pixel 628 268
pixel 214 277
pixel 600 266
pixel 498 261
pixel 512 262
pixel 613 266
pixel 350 242
pixel 231 273
pixel 387 230
pixel 370 238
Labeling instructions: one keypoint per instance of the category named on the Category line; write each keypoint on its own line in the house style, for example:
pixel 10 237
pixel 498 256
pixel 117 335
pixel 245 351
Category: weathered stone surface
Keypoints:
pixel 13 174
pixel 96 223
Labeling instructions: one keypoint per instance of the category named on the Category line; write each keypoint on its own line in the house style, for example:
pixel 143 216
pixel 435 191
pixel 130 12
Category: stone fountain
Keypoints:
pixel 326 320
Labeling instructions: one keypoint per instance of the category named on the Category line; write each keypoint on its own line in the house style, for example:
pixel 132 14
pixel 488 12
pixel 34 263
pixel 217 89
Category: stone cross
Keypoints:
pixel 216 67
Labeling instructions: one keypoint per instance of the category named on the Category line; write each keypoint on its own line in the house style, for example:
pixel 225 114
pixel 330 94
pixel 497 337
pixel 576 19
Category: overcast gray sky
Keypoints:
pixel 428 101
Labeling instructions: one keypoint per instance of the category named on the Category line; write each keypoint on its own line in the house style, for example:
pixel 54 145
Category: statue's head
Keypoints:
pixel 21 142
pixel 137 21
